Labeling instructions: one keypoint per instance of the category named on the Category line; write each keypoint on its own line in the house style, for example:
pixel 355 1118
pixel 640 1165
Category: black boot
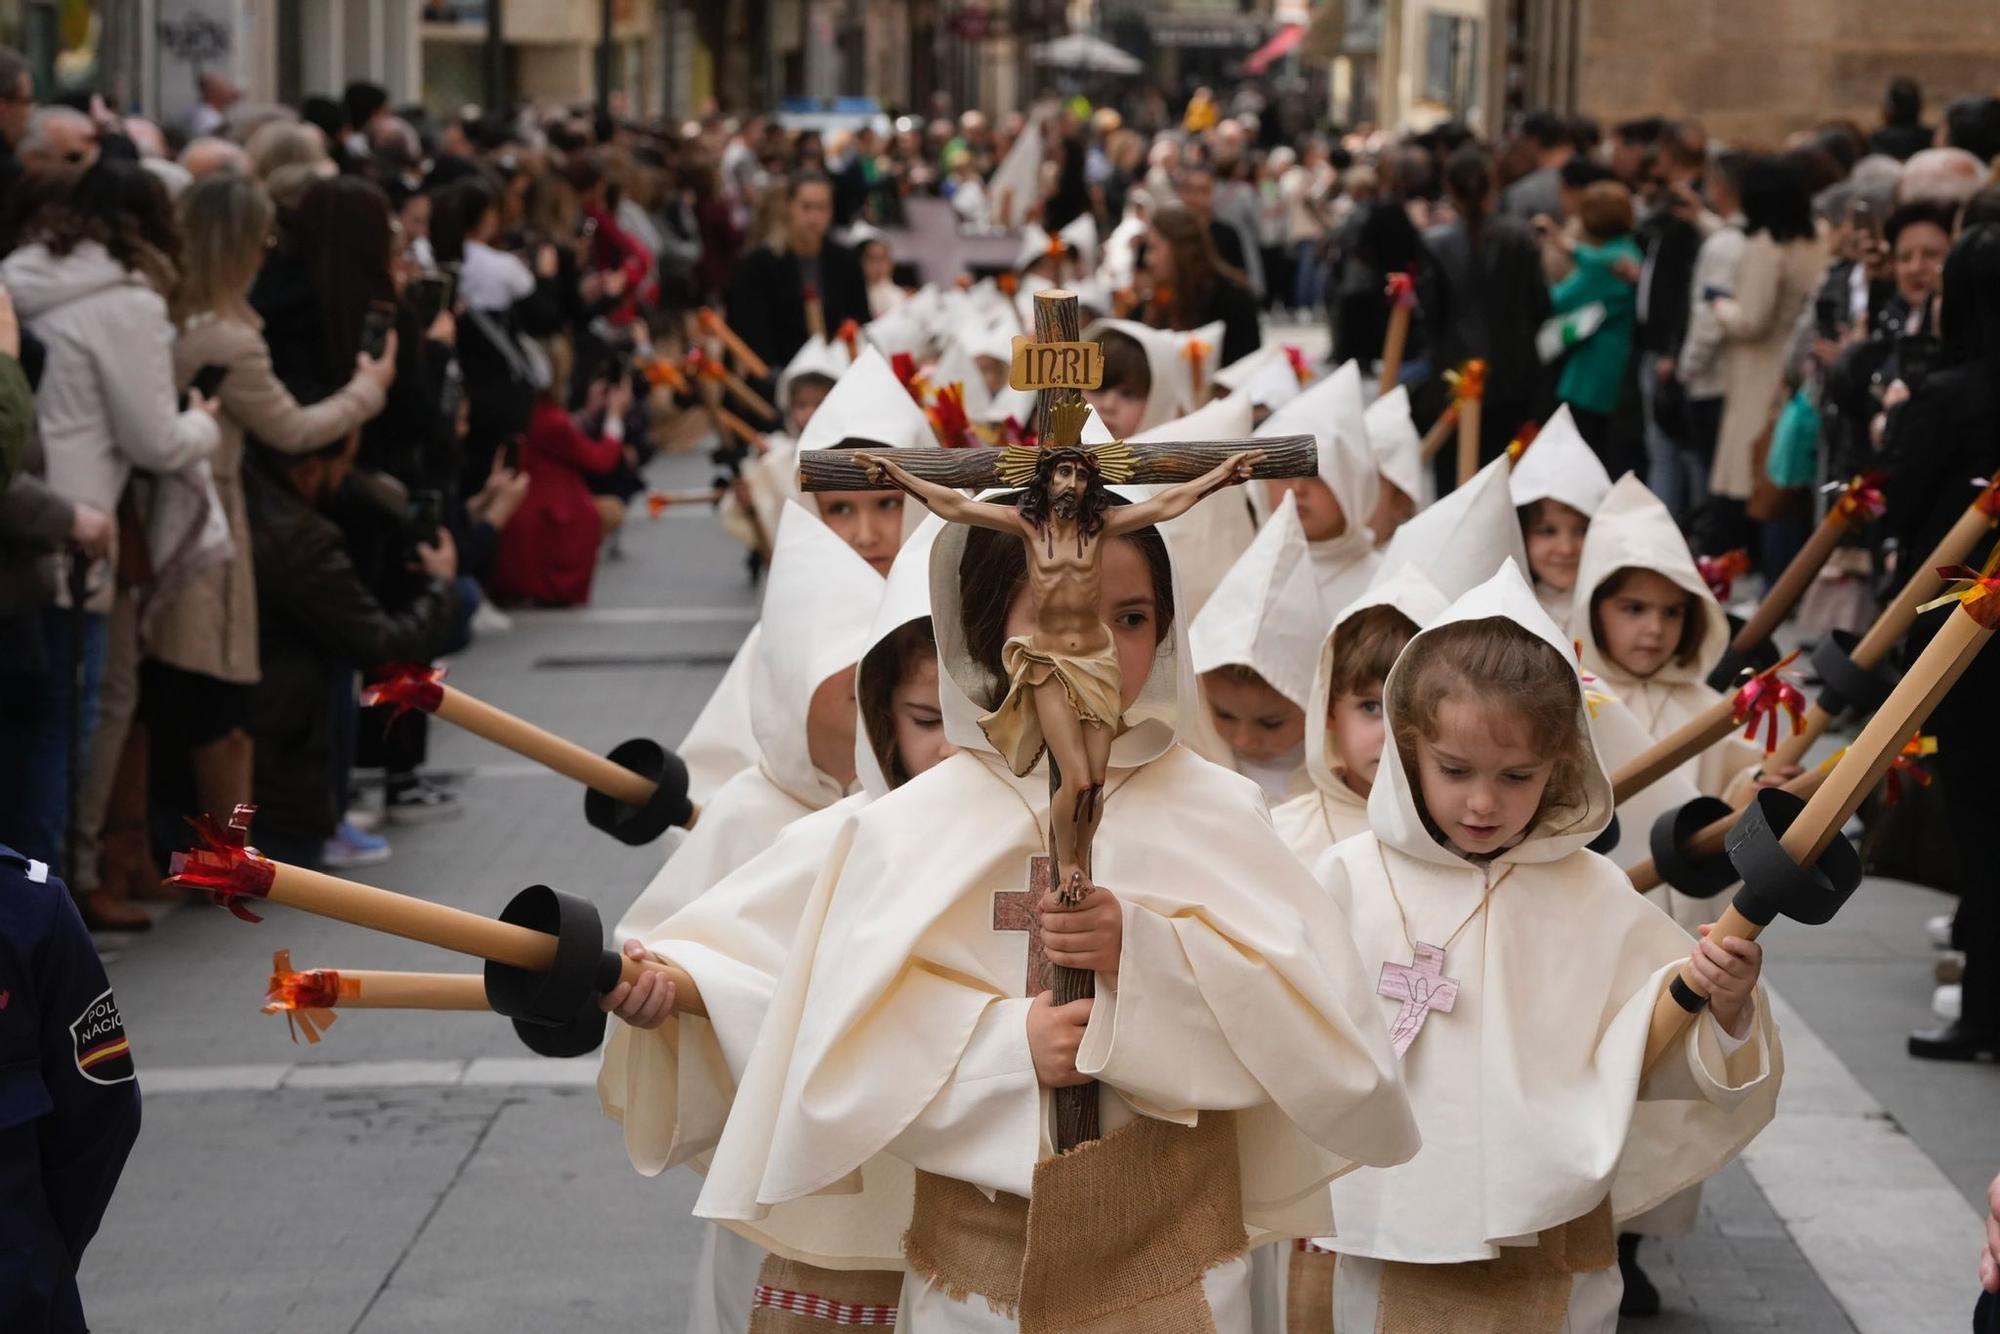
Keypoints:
pixel 1641 1297
pixel 1958 1041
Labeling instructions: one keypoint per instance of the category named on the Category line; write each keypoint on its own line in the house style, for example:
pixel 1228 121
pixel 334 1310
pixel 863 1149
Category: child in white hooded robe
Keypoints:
pixel 668 1079
pixel 1557 485
pixel 901 1028
pixel 1336 504
pixel 1473 882
pixel 868 408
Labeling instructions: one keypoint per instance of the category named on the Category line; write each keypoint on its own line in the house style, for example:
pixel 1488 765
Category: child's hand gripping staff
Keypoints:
pixel 546 964
pixel 1859 503
pixel 634 794
pixel 1851 672
pixel 1791 856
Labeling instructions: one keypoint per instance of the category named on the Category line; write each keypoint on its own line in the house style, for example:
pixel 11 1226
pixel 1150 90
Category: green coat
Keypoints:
pixel 1594 375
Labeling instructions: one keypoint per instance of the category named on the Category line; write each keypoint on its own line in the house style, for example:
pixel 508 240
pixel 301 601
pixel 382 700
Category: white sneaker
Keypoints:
pixel 1947 1003
pixel 1939 930
pixel 490 620
pixel 365 818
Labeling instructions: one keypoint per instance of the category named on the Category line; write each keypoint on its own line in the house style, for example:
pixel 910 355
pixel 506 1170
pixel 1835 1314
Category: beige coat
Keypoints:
pixel 208 623
pixel 1773 284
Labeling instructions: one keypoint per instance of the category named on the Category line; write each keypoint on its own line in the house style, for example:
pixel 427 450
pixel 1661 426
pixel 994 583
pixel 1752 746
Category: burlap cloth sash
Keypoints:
pixel 1525 1291
pixel 1309 1289
pixel 795 1298
pixel 1115 1241
pixel 1093 683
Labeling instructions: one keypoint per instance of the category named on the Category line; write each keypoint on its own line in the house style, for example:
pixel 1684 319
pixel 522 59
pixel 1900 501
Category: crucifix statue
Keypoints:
pixel 1063 680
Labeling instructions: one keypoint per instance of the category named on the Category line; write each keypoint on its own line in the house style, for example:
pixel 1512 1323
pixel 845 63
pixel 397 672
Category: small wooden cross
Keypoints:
pixel 1422 987
pixel 1014 910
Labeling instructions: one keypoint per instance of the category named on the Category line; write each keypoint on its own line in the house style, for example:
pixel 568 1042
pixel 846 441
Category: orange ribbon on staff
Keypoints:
pixel 1008 283
pixel 1975 590
pixel 1301 368
pixel 1765 696
pixel 849 333
pixel 1522 439
pixel 306 999
pixel 1905 766
pixel 1862 500
pixel 1468 382
pixel 1196 351
pixel 1720 573
pixel 1402 289
pixel 948 418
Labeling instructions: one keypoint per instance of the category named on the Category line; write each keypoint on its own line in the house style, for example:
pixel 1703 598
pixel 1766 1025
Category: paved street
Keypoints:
pixel 421 1171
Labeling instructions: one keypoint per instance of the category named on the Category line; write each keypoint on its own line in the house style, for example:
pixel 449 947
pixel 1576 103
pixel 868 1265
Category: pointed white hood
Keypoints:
pixel 816 356
pixel 967 690
pixel 1016 185
pixel 1461 540
pixel 1036 244
pixel 956 366
pixel 896 332
pixel 905 598
pixel 1559 466
pixel 1273 386
pixel 1392 806
pixel 1399 449
pixel 1332 412
pixel 1244 369
pixel 1633 530
pixel 1266 612
pixel 1409 593
pixel 868 403
pixel 1081 238
pixel 819 599
pixel 1169 397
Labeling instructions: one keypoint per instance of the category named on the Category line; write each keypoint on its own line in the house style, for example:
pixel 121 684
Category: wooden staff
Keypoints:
pixel 1860 501
pixel 712 324
pixel 737 388
pixel 421 689
pixel 1934 673
pixel 1440 432
pixel 1897 618
pixel 231 875
pixel 1402 295
pixel 1468 441
pixel 1709 841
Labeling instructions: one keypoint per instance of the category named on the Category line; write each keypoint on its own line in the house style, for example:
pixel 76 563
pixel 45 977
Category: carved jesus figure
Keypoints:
pixel 1063 681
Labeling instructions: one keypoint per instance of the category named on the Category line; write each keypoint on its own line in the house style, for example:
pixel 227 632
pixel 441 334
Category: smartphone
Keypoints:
pixel 1829 315
pixel 1861 219
pixel 375 328
pixel 208 379
pixel 426 514
pixel 431 295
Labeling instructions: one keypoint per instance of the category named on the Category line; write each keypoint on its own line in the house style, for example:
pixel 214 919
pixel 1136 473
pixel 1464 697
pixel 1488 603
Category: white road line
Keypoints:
pixel 638 616
pixel 482 1072
pixel 1892 1239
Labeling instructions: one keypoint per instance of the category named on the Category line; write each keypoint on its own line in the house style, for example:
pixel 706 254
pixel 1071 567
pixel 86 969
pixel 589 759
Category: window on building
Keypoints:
pixel 1451 63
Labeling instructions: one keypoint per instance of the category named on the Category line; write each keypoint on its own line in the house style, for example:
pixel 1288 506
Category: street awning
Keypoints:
pixel 1271 52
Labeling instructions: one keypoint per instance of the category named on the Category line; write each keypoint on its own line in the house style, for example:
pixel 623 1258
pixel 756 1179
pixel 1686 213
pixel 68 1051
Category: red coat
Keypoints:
pixel 548 551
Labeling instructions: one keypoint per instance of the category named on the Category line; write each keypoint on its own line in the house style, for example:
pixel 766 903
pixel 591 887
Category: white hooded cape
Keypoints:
pixel 1460 541
pixel 1266 615
pixel 818 599
pixel 1171 394
pixel 1399 449
pixel 1633 530
pixel 867 403
pixel 1527 1091
pixel 898 1027
pixel 1315 820
pixel 1333 414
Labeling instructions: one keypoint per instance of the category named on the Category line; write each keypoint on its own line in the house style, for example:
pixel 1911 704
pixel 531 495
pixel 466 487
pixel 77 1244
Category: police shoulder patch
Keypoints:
pixel 103 1056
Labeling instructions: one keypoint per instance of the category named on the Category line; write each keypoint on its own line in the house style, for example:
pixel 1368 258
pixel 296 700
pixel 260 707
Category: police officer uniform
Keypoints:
pixel 69 1098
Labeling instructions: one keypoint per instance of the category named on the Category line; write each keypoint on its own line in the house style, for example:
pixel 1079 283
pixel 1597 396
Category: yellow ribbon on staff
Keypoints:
pixel 1974 590
pixel 1468 382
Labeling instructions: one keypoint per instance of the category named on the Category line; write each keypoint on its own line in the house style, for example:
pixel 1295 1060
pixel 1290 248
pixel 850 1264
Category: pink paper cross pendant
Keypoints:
pixel 1422 987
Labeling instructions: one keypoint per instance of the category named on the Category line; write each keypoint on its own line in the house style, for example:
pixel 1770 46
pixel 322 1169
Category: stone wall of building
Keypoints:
pixel 1754 70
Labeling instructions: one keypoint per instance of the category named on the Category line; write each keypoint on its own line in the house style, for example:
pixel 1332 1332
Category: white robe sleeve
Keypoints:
pixel 985 1125
pixel 1716 1068
pixel 1154 1037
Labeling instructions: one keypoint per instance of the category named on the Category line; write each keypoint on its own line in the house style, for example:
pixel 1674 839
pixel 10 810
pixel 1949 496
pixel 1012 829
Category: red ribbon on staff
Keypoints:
pixel 407 685
pixel 1988 500
pixel 1905 766
pixel 1402 289
pixel 1765 696
pixel 1862 499
pixel 1522 439
pixel 306 999
pixel 1720 573
pixel 1301 368
pixel 948 419
pixel 223 867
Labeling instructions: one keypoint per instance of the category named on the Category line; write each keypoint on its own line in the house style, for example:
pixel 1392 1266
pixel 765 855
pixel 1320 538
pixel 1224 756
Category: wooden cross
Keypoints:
pixel 1014 910
pixel 1422 987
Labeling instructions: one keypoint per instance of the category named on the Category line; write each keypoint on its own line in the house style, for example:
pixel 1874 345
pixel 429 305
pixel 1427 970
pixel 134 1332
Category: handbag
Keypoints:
pixel 1794 457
